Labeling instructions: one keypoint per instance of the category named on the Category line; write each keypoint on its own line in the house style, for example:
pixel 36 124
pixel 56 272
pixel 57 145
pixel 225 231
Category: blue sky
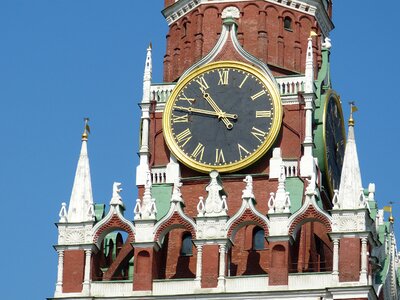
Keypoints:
pixel 61 61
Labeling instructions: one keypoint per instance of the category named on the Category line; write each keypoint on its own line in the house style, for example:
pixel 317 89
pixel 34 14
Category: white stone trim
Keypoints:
pixel 114 210
pixel 60 271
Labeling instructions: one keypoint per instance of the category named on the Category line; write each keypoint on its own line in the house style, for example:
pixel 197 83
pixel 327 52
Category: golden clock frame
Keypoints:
pixel 267 144
pixel 336 98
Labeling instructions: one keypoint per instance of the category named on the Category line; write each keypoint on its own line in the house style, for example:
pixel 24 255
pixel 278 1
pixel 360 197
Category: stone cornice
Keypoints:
pixel 310 7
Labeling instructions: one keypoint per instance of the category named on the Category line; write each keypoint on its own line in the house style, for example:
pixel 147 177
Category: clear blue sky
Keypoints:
pixel 64 60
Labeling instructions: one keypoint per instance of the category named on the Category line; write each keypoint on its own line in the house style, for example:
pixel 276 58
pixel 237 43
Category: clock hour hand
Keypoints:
pixel 221 114
pixel 206 112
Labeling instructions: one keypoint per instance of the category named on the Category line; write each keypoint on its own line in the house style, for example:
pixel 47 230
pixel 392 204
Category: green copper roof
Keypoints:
pixel 99 210
pixel 162 193
pixel 295 186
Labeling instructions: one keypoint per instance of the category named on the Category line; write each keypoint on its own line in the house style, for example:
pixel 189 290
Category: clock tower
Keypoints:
pixel 247 184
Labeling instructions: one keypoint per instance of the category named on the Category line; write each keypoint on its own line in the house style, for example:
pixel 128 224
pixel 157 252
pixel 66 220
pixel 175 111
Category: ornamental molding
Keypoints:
pixel 309 212
pixel 247 213
pixel 114 220
pixel 211 228
pixel 182 7
pixel 74 234
pixel 356 221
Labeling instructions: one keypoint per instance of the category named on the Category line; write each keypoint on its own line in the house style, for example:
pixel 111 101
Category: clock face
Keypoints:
pixel 223 116
pixel 334 140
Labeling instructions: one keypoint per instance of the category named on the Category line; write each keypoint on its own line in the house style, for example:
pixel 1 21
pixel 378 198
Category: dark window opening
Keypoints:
pixel 186 249
pixel 258 238
pixel 287 24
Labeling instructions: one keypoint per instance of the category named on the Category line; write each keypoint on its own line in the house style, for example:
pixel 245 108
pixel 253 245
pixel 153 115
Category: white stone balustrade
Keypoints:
pixel 291 85
pixel 158 175
pixel 291 168
pixel 161 92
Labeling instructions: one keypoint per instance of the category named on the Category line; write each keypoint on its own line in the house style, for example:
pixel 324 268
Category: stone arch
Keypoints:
pixel 114 260
pixel 247 218
pixel 174 221
pixel 270 7
pixel 113 224
pixel 311 214
pixel 174 263
pixel 311 249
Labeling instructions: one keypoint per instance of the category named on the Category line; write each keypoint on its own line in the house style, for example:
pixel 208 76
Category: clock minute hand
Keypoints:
pixel 221 114
pixel 206 112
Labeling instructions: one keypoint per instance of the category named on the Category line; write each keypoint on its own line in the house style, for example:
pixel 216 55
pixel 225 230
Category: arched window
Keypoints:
pixel 258 238
pixel 186 249
pixel 287 23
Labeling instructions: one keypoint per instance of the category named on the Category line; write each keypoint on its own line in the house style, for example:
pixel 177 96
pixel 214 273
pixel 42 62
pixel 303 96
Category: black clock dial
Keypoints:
pixel 334 140
pixel 221 117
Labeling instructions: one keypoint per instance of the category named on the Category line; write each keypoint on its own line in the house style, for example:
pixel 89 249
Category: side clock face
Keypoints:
pixel 334 140
pixel 223 116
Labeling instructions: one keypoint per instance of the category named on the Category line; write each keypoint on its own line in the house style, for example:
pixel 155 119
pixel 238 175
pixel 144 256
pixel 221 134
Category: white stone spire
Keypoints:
pixel 307 162
pixel 350 181
pixel 148 69
pixel 144 152
pixel 81 200
pixel 309 81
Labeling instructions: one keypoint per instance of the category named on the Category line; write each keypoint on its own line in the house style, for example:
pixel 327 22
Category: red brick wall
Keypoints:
pixel 349 259
pixel 245 260
pixel 74 267
pixel 279 272
pixel 209 278
pixel 143 269
pixel 260 31
pixel 178 266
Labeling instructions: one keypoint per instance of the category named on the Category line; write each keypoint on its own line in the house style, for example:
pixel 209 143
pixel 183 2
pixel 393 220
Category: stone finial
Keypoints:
pixel 201 207
pixel 371 192
pixel 280 196
pixel 213 203
pixel 286 207
pixel 116 197
pixel 271 203
pixel 224 204
pixel 363 201
pixel 63 213
pixel 231 12
pixel 275 163
pixel 149 210
pixel 327 43
pixel 335 199
pixel 248 191
pixel 176 192
pixel 91 213
pixel 310 190
pixel 137 210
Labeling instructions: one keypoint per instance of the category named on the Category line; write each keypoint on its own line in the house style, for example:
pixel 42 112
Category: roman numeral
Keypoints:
pixel 179 119
pixel 241 150
pixel 184 98
pixel 259 94
pixel 263 114
pixel 244 80
pixel 219 156
pixel 184 137
pixel 202 83
pixel 198 151
pixel 223 77
pixel 259 134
